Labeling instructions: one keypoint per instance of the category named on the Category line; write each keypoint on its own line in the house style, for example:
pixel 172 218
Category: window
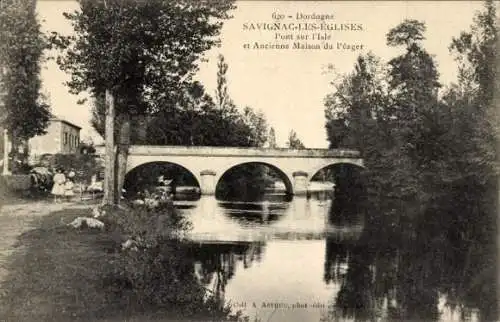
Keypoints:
pixel 65 138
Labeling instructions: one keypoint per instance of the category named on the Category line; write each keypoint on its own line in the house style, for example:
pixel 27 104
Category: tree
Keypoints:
pixel 388 115
pixel 359 99
pixel 294 142
pixel 222 99
pixel 407 33
pixel 257 124
pixel 431 167
pixel 475 52
pixel 24 111
pixel 198 119
pixel 152 51
pixel 413 81
pixel 472 160
pixel 271 139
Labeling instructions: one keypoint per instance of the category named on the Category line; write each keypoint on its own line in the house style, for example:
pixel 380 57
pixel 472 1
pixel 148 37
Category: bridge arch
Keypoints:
pixel 281 174
pixel 354 164
pixel 147 173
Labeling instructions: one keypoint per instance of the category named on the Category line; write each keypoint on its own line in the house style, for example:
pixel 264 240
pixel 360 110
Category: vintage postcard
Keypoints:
pixel 248 160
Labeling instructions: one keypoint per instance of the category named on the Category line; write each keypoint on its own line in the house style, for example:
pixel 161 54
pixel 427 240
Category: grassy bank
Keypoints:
pixel 58 273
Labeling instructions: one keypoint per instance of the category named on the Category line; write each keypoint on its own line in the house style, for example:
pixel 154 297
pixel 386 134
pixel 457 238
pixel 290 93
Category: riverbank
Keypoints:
pixel 49 270
pixel 53 272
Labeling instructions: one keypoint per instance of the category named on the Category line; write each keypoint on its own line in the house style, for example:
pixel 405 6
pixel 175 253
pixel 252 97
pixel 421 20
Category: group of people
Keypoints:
pixel 63 185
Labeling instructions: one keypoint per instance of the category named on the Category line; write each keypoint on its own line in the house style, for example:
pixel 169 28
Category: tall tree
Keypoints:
pixel 198 121
pixel 431 163
pixel 257 124
pixel 475 52
pixel 388 114
pixel 222 98
pixel 359 99
pixel 24 111
pixel 413 81
pixel 294 142
pixel 472 159
pixel 152 51
pixel 271 139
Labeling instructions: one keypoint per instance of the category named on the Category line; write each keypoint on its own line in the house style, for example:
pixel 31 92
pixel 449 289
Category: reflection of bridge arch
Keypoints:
pixel 208 164
pixel 283 176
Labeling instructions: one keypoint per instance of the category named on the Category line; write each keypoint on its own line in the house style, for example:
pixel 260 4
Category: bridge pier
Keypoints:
pixel 207 184
pixel 300 183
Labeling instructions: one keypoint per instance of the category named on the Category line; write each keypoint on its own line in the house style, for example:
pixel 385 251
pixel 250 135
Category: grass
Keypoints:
pixel 54 273
pixel 58 273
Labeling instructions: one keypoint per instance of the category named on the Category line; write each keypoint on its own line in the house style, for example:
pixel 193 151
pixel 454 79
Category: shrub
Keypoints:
pixel 85 165
pixel 150 226
pixel 159 272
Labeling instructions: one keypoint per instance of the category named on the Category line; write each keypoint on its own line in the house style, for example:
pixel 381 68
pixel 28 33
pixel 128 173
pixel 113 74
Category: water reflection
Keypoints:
pixel 215 263
pixel 311 260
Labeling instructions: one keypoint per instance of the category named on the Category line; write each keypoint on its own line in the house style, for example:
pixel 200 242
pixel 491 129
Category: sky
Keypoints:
pixel 288 85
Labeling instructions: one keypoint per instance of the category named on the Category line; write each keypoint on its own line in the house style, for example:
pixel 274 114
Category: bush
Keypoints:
pixel 145 225
pixel 85 165
pixel 17 182
pixel 159 272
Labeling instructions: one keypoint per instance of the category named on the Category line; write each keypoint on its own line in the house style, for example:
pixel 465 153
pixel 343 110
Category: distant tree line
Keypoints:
pixel 196 118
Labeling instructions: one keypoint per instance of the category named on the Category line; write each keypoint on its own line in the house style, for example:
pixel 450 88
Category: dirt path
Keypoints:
pixel 20 217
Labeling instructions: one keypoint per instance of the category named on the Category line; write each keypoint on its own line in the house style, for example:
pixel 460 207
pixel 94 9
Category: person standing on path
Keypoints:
pixel 58 187
pixel 68 188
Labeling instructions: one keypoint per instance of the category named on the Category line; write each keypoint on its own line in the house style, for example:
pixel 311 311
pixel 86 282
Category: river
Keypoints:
pixel 298 260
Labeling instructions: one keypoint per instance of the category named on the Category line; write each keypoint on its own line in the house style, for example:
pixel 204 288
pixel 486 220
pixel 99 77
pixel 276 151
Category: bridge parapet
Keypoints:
pixel 237 151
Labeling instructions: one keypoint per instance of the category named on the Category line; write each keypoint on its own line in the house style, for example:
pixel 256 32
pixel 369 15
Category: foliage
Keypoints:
pixel 222 99
pixel 294 142
pixel 160 271
pixel 84 165
pixel 431 165
pixel 24 111
pixel 424 152
pixel 87 148
pixel 271 139
pixel 359 100
pixel 194 120
pixel 475 52
pixel 246 182
pixel 406 33
pixel 257 125
pixel 152 48
pixel 197 121
pixel 146 177
pixel 84 275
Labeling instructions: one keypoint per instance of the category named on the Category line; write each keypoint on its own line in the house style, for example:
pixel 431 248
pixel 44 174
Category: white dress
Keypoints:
pixel 58 187
pixel 68 187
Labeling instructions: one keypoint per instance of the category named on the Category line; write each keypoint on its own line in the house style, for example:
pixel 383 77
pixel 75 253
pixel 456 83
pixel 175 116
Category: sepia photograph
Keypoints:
pixel 249 160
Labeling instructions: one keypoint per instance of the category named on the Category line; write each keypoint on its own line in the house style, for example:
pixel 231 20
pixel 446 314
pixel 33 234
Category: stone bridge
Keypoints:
pixel 208 164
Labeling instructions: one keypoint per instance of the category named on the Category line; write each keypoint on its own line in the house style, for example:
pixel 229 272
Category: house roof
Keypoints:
pixel 55 118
